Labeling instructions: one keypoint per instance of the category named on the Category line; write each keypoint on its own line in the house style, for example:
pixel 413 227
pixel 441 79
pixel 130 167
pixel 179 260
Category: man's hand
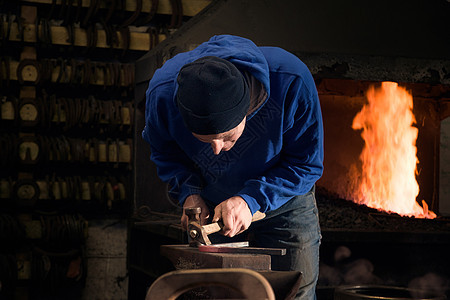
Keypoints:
pixel 195 201
pixel 235 215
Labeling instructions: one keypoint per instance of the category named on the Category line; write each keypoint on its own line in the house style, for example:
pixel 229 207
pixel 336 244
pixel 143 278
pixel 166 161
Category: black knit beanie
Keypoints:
pixel 213 96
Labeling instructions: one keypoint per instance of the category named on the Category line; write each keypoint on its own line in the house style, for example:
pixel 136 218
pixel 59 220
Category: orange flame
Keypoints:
pixel 389 161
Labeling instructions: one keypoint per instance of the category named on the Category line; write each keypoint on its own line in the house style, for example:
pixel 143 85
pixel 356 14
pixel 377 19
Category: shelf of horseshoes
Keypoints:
pixel 190 7
pixel 31 71
pixel 139 41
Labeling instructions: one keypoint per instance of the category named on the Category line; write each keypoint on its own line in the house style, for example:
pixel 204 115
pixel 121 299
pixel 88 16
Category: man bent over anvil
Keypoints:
pixel 235 128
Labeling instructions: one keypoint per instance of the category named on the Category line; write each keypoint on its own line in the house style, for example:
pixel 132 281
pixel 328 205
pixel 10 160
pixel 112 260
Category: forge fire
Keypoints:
pixel 386 179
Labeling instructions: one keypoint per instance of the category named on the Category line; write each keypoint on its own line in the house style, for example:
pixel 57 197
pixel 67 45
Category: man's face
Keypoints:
pixel 222 141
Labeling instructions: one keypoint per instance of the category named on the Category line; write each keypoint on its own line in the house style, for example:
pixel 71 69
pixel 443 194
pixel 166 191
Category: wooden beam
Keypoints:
pixel 190 7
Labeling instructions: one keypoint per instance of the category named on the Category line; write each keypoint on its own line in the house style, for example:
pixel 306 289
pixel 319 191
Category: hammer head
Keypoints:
pixel 198 235
pixel 196 232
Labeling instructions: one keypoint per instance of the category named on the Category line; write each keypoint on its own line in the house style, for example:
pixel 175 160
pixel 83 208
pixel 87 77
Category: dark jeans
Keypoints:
pixel 294 226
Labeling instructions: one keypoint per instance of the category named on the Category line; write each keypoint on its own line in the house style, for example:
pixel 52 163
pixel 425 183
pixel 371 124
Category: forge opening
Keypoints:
pixel 349 152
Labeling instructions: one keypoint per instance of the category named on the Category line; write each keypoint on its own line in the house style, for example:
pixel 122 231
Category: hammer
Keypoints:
pixel 199 233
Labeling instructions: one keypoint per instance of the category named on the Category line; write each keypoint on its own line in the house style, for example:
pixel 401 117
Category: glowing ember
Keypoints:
pixel 388 179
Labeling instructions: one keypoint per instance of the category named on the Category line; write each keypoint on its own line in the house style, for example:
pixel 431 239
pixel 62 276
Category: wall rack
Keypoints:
pixel 60 36
pixel 190 7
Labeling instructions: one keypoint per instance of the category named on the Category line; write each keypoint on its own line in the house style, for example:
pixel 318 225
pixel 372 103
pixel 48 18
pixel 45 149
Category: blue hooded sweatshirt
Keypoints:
pixel 278 156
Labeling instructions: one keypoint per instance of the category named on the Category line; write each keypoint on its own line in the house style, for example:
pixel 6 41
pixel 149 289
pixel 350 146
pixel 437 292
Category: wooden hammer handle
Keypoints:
pixel 217 226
